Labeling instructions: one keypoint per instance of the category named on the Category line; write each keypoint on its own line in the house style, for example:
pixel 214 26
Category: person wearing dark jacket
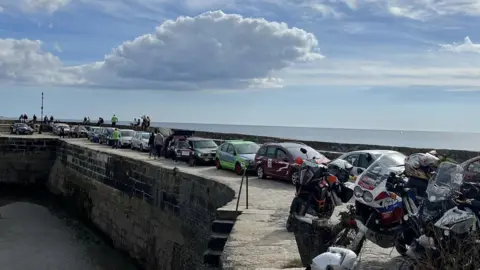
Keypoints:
pixel 151 143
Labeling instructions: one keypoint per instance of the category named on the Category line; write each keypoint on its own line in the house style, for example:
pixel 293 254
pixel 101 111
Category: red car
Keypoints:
pixel 277 160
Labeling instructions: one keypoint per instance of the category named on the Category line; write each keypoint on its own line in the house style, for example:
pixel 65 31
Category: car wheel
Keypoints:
pixel 218 165
pixel 261 173
pixel 238 169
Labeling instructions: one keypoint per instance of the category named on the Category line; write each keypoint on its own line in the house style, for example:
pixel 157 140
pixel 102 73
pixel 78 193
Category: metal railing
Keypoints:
pixel 244 177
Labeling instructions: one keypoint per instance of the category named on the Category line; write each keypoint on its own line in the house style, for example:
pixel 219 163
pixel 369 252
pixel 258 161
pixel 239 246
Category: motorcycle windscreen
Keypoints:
pixel 446 182
pixel 306 174
pixel 379 171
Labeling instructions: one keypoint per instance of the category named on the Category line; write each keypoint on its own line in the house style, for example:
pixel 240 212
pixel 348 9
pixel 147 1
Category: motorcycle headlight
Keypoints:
pixel 358 192
pixel 367 196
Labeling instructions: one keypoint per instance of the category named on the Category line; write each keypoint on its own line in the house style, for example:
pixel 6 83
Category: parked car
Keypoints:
pixel 126 136
pixel 140 141
pixel 95 135
pixel 472 169
pixel 195 150
pixel 104 135
pixel 235 155
pixel 57 127
pixel 21 128
pixel 173 138
pixel 362 159
pixel 91 132
pixel 277 160
pixel 79 131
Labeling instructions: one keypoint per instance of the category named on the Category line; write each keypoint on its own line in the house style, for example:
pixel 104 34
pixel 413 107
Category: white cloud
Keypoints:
pixel 414 70
pixel 325 10
pixel 34 6
pixel 211 51
pixel 466 47
pixel 24 61
pixel 425 9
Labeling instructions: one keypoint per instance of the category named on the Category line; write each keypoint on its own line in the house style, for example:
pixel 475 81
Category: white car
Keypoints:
pixel 126 136
pixel 140 141
pixel 56 128
pixel 362 159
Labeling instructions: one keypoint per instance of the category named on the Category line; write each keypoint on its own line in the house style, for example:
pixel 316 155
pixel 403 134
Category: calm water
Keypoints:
pixel 427 139
pixel 438 140
pixel 34 238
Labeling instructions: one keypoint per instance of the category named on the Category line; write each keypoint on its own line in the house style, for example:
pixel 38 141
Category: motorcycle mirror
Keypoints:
pixel 299 161
pixel 303 150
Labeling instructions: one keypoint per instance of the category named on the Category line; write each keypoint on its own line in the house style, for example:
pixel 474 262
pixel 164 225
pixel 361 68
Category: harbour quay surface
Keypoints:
pixel 149 207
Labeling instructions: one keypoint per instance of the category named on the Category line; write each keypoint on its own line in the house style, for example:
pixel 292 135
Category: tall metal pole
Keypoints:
pixel 41 118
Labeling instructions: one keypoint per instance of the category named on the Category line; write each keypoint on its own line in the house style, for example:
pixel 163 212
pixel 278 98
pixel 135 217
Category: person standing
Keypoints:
pixel 62 132
pixel 151 145
pixel 116 137
pixel 159 142
pixel 114 120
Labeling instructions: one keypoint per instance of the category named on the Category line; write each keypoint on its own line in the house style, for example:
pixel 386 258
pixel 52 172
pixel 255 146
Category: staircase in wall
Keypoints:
pixel 221 228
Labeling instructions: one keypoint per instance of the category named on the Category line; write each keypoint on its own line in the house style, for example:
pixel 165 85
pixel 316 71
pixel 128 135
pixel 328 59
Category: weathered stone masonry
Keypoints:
pixel 26 161
pixel 160 216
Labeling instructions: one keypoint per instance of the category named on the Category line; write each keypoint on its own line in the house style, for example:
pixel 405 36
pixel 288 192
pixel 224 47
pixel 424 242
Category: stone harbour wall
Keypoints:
pixel 160 216
pixel 333 150
pixel 26 160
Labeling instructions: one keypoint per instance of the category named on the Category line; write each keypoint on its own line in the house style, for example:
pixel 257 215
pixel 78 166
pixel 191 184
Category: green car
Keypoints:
pixel 235 155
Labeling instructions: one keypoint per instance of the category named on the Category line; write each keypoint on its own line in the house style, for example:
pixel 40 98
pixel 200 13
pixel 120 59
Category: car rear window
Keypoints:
pixel 295 151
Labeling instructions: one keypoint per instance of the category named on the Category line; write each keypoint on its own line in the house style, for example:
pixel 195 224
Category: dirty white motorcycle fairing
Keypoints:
pixel 335 256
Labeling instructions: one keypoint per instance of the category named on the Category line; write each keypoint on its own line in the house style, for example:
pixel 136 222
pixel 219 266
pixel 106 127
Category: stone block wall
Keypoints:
pixel 26 160
pixel 162 217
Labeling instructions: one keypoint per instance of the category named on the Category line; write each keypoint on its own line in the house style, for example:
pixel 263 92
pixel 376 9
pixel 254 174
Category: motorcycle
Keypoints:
pixel 451 222
pixel 385 207
pixel 317 190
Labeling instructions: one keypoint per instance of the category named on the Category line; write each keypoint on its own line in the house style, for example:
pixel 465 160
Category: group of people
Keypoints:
pixel 24 118
pixel 143 122
pixel 156 143
pixel 47 120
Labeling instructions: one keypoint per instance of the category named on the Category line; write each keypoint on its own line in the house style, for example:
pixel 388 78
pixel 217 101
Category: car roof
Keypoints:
pixel 199 139
pixel 235 142
pixel 374 152
pixel 126 130
pixel 288 144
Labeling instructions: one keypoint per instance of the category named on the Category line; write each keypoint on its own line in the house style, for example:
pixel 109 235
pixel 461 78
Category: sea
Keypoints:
pixel 406 138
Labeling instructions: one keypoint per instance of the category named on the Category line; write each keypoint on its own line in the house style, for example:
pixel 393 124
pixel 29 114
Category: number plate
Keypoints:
pixel 185 153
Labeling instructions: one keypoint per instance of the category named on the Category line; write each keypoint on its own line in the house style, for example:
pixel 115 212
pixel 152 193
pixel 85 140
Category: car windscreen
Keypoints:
pixel 21 125
pixel 127 133
pixel 204 144
pixel 145 136
pixel 247 148
pixel 394 159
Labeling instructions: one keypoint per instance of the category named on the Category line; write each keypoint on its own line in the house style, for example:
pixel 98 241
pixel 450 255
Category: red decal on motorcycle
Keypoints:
pixel 366 185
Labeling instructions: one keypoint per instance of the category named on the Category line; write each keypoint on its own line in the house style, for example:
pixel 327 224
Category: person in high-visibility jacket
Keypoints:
pixel 116 137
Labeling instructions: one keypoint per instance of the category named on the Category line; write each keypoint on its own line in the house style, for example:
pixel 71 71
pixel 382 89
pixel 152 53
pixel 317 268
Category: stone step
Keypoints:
pixel 222 226
pixel 217 241
pixel 212 258
pixel 223 214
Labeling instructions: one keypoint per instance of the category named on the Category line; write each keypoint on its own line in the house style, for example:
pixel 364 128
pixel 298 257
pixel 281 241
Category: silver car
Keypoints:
pixel 57 128
pixel 140 141
pixel 126 136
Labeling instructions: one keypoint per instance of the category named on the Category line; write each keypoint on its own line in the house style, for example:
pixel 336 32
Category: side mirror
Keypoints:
pixel 303 150
pixel 360 170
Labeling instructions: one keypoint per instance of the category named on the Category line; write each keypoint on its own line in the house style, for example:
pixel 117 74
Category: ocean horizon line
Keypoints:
pixel 275 126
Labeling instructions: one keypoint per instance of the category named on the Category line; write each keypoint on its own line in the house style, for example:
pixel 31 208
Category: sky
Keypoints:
pixel 375 64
